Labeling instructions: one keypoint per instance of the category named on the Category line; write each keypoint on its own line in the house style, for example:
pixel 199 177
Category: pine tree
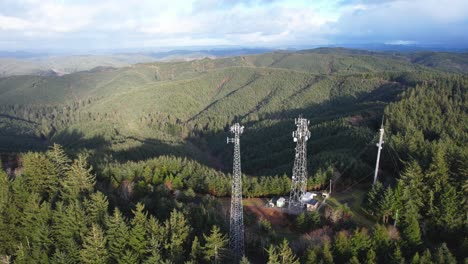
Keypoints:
pixel 413 179
pixel 448 212
pixel 386 204
pixel 426 257
pixel 273 257
pixel 286 255
pixel 117 235
pixel 444 255
pixel 381 242
pixel 398 256
pixel 411 230
pixel 415 259
pixel 96 208
pixel 215 245
pixel 360 242
pixel 342 247
pixel 311 256
pixel 78 180
pixel 354 260
pixel 128 257
pixel 4 185
pixel 94 247
pixel 156 234
pixel 60 160
pixel 196 252
pixel 371 258
pixel 438 173
pixel 327 254
pixel 374 196
pixel 68 226
pixel 39 175
pixel 177 231
pixel 244 260
pixel 137 238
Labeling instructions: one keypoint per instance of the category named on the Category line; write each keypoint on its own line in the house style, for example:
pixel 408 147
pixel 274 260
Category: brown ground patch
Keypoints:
pixel 276 216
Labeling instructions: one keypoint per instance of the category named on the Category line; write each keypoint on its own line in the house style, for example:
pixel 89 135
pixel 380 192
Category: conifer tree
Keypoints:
pixel 311 256
pixel 128 257
pixel 215 245
pixel 117 235
pixel 39 175
pixel 426 257
pixel 285 253
pixel 273 257
pixel 360 242
pixel 386 204
pixel 448 211
pixel 96 208
pixel 327 254
pixel 94 247
pixel 373 197
pixel 196 250
pixel 244 260
pixel 354 260
pixel 411 230
pixel 69 225
pixel 138 239
pixel 342 247
pixel 397 257
pixel 371 258
pixel 156 234
pixel 413 179
pixel 177 231
pixel 415 259
pixel 78 180
pixel 443 255
pixel 4 185
pixel 60 160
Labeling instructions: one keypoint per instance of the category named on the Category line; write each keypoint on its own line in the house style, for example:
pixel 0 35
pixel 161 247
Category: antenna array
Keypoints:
pixel 299 177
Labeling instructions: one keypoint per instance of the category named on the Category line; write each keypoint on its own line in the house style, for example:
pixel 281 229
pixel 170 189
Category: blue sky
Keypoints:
pixel 117 24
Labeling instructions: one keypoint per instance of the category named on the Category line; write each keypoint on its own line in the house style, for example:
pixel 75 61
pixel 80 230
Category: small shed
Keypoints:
pixel 280 202
pixel 308 196
pixel 312 205
pixel 272 202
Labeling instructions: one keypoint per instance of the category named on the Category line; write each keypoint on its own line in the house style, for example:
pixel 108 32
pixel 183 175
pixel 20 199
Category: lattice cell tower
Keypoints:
pixel 236 234
pixel 299 176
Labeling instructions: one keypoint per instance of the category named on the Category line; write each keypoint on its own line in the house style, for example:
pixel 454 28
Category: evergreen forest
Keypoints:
pixel 131 165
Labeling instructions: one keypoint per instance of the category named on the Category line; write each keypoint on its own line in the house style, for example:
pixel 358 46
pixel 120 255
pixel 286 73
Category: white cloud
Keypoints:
pixel 85 23
pixel 13 23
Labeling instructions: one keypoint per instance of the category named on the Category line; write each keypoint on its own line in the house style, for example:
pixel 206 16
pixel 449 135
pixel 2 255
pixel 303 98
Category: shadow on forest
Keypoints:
pixel 267 146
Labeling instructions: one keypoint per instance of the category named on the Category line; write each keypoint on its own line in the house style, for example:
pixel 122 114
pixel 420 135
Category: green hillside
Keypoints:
pixel 186 107
pixel 155 135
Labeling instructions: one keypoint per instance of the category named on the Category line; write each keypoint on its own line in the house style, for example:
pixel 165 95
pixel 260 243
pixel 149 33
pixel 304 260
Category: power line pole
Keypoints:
pixel 379 148
pixel 236 232
pixel 299 176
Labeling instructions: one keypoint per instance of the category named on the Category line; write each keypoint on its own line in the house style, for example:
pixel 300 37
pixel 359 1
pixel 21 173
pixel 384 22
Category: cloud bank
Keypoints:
pixel 85 24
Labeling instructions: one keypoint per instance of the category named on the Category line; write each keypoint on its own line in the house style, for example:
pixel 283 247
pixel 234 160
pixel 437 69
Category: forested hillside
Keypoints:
pixel 142 164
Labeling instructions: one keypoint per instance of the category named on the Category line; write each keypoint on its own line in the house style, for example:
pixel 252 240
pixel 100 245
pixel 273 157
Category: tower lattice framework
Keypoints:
pixel 236 234
pixel 299 176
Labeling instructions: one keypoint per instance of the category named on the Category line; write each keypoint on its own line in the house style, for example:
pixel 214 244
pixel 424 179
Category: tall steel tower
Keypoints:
pixel 236 234
pixel 299 176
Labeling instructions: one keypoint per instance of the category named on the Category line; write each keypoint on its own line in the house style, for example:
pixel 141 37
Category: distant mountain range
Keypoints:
pixel 42 64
